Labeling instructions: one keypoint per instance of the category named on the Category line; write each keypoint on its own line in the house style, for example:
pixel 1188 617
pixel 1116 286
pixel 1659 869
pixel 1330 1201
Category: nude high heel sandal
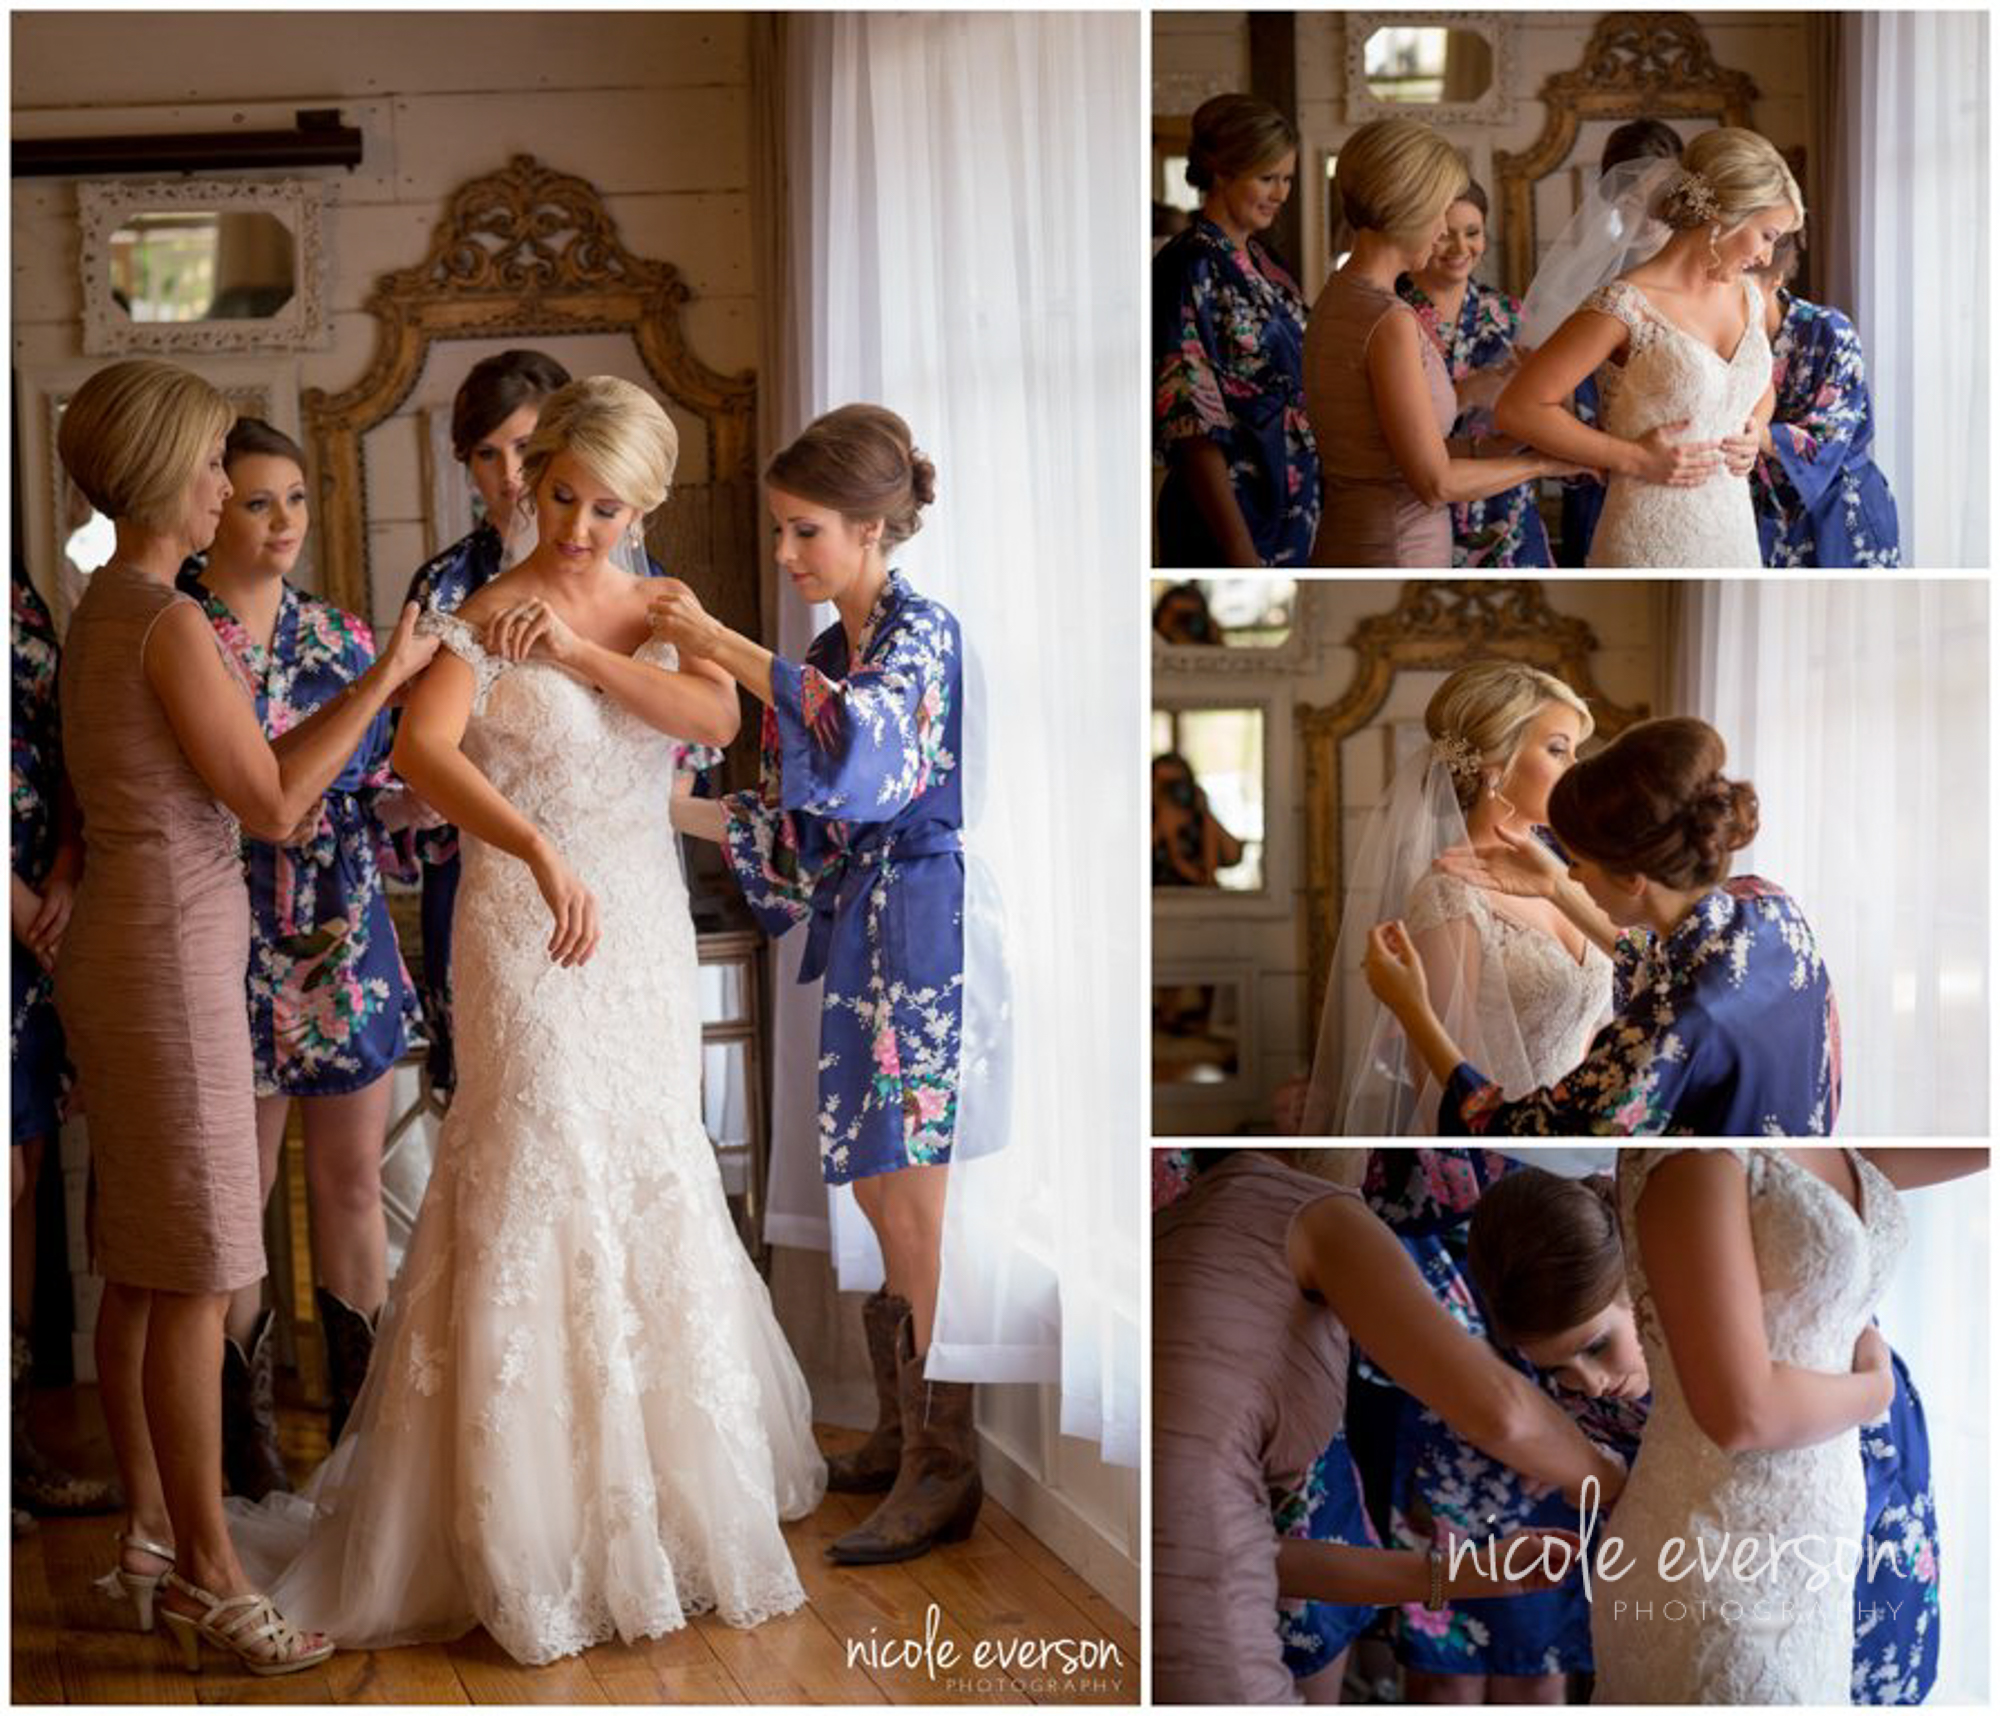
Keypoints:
pixel 121 1585
pixel 249 1628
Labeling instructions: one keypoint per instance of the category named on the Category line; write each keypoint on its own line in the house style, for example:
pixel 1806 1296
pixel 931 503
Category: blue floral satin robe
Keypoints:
pixel 1434 1476
pixel 1724 1029
pixel 330 1002
pixel 35 772
pixel 446 582
pixel 1229 341
pixel 1822 501
pixel 854 832
pixel 1504 529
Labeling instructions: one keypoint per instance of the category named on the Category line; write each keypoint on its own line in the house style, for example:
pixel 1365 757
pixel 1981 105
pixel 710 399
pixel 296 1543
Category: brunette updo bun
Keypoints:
pixel 1655 803
pixel 860 461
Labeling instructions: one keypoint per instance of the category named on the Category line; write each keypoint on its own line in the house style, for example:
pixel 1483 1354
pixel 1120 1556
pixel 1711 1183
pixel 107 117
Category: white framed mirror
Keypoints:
pixel 203 265
pixel 1440 67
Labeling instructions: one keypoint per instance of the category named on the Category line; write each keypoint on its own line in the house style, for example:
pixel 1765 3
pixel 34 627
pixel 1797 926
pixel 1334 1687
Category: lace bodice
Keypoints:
pixel 1558 1002
pixel 1669 376
pixel 1821 1268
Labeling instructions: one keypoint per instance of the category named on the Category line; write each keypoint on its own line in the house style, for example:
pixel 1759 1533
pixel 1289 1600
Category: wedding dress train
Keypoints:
pixel 1717 1637
pixel 582 1419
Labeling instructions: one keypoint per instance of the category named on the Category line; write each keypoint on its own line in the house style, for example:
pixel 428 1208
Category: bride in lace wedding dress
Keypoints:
pixel 1752 1281
pixel 581 1419
pixel 1654 278
pixel 1524 985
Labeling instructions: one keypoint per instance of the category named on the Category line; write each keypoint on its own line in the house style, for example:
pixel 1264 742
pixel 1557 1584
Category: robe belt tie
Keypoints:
pixel 855 872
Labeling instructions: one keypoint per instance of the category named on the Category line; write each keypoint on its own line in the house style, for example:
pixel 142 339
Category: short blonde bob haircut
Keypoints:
pixel 134 436
pixel 619 431
pixel 1397 176
pixel 1743 172
pixel 1491 705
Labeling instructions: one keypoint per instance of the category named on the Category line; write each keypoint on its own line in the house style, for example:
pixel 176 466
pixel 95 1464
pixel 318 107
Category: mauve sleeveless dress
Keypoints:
pixel 1369 514
pixel 150 978
pixel 1249 1385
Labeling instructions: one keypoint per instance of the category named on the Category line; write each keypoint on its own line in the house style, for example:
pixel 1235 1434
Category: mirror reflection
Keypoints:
pixel 1197 1033
pixel 1240 613
pixel 1208 799
pixel 194 265
pixel 1424 65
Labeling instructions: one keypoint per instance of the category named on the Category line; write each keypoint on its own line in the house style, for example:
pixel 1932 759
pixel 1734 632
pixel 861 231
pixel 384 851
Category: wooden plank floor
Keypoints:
pixel 1000 1591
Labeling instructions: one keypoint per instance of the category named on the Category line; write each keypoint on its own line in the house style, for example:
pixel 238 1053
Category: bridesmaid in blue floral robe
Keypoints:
pixel 1229 331
pixel 854 832
pixel 1821 500
pixel 330 1002
pixel 1725 1028
pixel 1435 1476
pixel 38 850
pixel 1504 529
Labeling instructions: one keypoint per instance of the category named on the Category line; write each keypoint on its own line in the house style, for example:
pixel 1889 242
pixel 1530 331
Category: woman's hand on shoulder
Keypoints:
pixel 677 617
pixel 531 628
pixel 408 653
pixel 1515 863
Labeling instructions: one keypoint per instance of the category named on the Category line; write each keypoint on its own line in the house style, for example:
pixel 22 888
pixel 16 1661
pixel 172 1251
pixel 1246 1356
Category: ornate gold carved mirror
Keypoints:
pixel 1638 65
pixel 523 255
pixel 1437 627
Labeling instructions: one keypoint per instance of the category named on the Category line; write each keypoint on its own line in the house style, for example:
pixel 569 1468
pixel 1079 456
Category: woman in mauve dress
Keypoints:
pixel 167 759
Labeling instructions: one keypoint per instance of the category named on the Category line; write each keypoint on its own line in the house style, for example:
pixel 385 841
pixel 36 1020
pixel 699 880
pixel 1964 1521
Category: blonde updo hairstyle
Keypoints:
pixel 1398 176
pixel 1742 172
pixel 860 462
pixel 1232 136
pixel 134 436
pixel 620 432
pixel 1490 705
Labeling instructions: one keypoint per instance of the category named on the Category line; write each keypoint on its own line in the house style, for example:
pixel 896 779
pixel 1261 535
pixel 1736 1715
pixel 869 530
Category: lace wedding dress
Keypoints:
pixel 1772 1639
pixel 1553 1003
pixel 581 1419
pixel 1670 376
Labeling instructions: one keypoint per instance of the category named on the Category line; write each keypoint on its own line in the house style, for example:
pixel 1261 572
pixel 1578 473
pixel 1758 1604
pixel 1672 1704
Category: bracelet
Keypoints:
pixel 1436 1602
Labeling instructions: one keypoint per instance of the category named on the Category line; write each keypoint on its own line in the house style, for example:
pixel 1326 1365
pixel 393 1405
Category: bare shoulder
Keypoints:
pixel 490 598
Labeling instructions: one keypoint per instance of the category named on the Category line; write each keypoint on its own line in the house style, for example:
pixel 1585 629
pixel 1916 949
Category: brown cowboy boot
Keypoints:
pixel 937 1491
pixel 250 1458
pixel 350 1343
pixel 872 1466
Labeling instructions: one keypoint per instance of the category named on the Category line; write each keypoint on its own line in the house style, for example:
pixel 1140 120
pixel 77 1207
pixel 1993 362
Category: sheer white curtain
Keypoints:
pixel 959 253
pixel 1910 135
pixel 1859 709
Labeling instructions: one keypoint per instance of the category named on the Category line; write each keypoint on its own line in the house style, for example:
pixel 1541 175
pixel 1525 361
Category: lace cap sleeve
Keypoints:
pixel 1635 1168
pixel 1625 302
pixel 1438 898
pixel 462 640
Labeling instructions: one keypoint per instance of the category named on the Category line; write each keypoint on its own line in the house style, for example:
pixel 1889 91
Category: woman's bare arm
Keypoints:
pixel 428 756
pixel 700 817
pixel 1694 1237
pixel 1534 407
pixel 1403 407
pixel 1341 1251
pixel 268 785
